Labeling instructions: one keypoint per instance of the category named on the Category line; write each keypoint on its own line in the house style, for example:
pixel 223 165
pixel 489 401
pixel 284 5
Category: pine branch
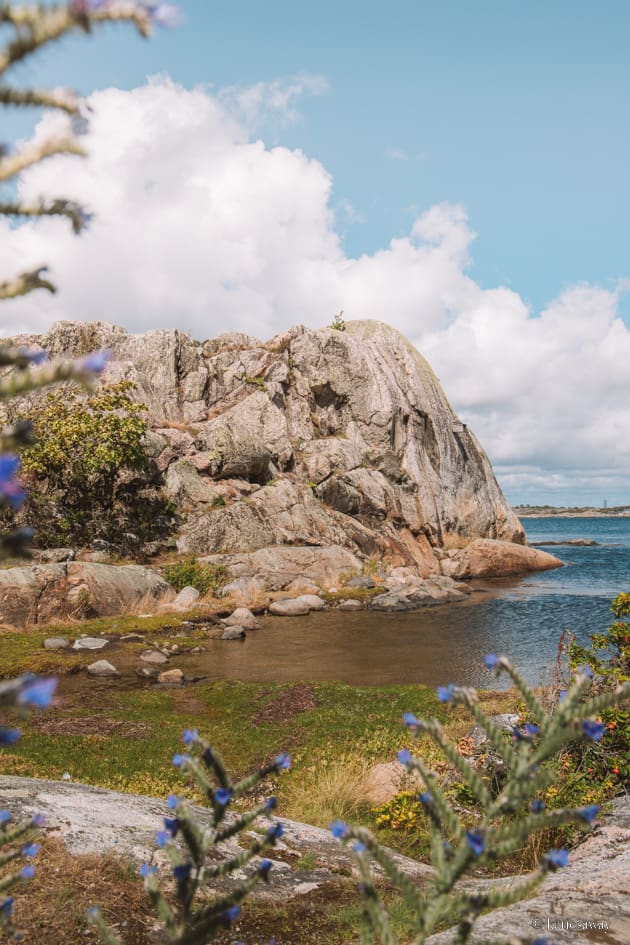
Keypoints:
pixel 32 153
pixel 60 207
pixel 63 99
pixel 26 282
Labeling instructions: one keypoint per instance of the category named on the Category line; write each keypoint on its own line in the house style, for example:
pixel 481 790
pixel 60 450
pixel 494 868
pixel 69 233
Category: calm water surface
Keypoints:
pixel 522 618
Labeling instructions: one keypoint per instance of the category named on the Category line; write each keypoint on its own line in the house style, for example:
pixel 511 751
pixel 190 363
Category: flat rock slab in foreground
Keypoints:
pixel 595 888
pixel 93 820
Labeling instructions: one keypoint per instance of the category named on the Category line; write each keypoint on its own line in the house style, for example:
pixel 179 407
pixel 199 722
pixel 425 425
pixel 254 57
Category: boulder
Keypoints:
pixel 388 779
pixel 312 601
pixel 186 599
pixel 153 656
pixel 172 676
pixel 226 633
pixel 56 643
pixel 289 608
pixel 246 590
pixel 89 643
pixel 484 557
pixel 43 592
pixel 102 668
pixel 350 604
pixel 242 617
pixel 320 439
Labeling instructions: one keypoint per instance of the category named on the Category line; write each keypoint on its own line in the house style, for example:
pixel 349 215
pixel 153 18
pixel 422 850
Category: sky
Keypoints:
pixel 456 169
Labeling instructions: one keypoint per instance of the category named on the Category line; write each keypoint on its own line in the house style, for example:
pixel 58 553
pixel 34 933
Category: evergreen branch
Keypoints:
pixel 26 282
pixel 32 153
pixel 60 207
pixel 63 99
pixel 36 26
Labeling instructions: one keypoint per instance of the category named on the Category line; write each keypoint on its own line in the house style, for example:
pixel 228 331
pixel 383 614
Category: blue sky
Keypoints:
pixel 516 110
pixel 432 122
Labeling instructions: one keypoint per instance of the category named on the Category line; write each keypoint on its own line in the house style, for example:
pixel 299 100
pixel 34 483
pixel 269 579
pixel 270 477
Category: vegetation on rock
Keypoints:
pixel 87 472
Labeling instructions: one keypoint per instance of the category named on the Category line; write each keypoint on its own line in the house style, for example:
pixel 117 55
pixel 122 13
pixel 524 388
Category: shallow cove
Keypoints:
pixel 522 618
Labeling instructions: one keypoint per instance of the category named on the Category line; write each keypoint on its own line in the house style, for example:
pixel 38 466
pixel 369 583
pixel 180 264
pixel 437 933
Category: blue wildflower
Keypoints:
pixel 31 849
pixel 172 825
pixel 491 660
pixel 146 870
pixel 557 858
pixel 536 806
pixel 5 816
pixel 282 762
pixel 190 736
pixel 593 730
pixel 271 803
pixel 162 838
pixel 588 814
pixel 359 847
pixel 530 730
pixel 274 833
pixel 10 489
pixel 27 872
pixel 181 872
pixel 264 866
pixel 339 829
pixel 411 721
pixel 9 736
pixel 562 694
pixel 39 693
pixel 476 841
pixel 33 355
pixel 404 756
pixel 180 760
pixel 6 907
pixel 96 362
pixel 232 914
pixel 446 693
pixel 223 796
pixel 39 820
pixel 425 798
pixel 172 801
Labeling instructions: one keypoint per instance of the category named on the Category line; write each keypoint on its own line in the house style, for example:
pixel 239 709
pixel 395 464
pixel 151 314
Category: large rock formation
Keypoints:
pixel 316 438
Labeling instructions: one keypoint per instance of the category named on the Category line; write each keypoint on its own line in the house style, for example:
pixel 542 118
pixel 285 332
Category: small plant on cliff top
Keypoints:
pixel 338 323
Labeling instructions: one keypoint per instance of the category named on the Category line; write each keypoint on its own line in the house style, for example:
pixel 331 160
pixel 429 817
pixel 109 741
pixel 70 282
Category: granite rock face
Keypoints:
pixel 483 558
pixel 39 593
pixel 314 439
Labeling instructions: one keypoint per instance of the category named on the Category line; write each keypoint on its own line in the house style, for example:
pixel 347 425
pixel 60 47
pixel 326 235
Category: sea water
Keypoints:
pixel 520 617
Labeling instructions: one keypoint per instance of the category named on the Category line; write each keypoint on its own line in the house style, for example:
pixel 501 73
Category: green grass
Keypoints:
pixel 125 739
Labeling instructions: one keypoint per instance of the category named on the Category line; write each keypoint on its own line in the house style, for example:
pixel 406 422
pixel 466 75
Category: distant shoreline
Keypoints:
pixel 531 512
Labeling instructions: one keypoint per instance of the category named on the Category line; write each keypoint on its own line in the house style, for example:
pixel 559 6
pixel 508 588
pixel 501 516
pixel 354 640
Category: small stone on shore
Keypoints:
pixel 102 668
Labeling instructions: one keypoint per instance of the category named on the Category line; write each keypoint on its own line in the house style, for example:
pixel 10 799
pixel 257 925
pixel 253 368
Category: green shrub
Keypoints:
pixel 190 573
pixel 87 473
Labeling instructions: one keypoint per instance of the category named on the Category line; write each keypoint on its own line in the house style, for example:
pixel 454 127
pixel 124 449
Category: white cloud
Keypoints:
pixel 254 105
pixel 199 225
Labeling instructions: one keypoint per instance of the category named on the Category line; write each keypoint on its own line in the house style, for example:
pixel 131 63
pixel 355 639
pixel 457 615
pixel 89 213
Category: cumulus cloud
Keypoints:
pixel 199 225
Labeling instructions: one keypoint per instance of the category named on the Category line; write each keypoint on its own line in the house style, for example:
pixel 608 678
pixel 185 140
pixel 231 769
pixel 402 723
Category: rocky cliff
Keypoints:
pixel 315 438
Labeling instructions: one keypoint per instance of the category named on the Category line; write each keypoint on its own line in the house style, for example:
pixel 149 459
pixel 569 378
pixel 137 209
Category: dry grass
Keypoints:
pixel 147 604
pixel 51 908
pixel 339 790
